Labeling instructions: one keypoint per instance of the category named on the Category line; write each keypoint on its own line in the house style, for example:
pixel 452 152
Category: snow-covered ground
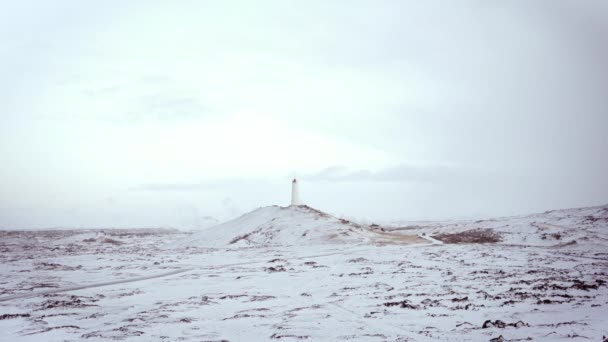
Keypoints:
pixel 297 273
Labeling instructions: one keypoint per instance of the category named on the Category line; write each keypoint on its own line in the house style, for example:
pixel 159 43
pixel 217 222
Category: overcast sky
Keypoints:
pixel 161 113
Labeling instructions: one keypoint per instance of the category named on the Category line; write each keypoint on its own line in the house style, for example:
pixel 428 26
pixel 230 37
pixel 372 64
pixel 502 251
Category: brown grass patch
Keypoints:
pixel 470 236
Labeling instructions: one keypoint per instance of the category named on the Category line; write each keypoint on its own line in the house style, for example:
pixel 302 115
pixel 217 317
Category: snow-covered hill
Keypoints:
pixel 303 225
pixel 573 227
pixel 291 225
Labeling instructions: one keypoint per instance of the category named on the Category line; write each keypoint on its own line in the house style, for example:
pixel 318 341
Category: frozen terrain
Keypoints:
pixel 299 274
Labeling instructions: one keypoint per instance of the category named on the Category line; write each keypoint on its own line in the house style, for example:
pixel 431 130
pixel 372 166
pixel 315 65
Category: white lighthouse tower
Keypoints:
pixel 295 195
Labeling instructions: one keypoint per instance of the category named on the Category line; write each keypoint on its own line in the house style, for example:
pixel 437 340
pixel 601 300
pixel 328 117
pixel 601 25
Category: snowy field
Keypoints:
pixel 299 274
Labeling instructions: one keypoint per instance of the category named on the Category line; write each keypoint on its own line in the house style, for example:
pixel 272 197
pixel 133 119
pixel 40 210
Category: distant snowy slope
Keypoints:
pixel 276 225
pixel 582 226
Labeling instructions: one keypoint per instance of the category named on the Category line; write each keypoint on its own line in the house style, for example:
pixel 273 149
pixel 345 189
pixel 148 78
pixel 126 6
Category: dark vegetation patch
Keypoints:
pixel 357 260
pixel 431 303
pixel 53 328
pixel 403 304
pixel 555 325
pixel 312 307
pixel 469 306
pixel 278 268
pixel 128 332
pixel 593 219
pixel 500 324
pixel 33 286
pixel 112 241
pixel 549 301
pixel 278 260
pixel 11 316
pixel 278 337
pixel 470 236
pixel 463 299
pixel 105 240
pixel 243 315
pixel 555 236
pixel 70 302
pixel 233 296
pixel 374 226
pixel 244 236
pixel 47 266
pixel 366 271
pixel 577 285
pixel 260 298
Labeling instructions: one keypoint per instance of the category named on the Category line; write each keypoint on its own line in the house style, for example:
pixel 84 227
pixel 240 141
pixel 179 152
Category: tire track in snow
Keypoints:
pixel 82 287
pixel 167 274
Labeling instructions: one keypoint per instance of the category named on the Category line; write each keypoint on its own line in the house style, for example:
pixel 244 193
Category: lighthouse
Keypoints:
pixel 295 195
